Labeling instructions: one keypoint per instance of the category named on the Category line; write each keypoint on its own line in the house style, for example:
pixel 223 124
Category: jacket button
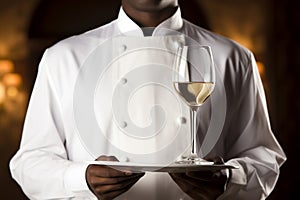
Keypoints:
pixel 123 81
pixel 181 120
pixel 123 48
pixel 123 124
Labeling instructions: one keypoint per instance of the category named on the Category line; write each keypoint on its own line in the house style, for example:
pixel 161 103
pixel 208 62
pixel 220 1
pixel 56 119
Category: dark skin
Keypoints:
pixel 107 183
pixel 203 185
pixel 149 13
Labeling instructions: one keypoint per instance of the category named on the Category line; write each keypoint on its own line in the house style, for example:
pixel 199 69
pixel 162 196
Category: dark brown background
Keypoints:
pixel 270 28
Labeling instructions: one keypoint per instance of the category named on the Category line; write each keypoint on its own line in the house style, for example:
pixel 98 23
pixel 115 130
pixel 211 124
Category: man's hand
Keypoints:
pixel 203 185
pixel 107 183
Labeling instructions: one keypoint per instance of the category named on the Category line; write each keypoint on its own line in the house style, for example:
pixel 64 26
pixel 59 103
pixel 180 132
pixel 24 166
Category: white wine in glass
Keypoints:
pixel 194 81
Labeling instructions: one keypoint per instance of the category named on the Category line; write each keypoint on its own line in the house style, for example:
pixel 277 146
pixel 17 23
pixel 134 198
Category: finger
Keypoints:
pixel 184 179
pixel 112 158
pixel 217 177
pixel 103 189
pixel 107 158
pixel 104 171
pixel 113 194
pixel 221 176
pixel 178 175
pixel 198 181
pixel 201 175
pixel 218 160
pixel 180 181
pixel 98 181
pixel 198 189
pixel 195 190
pixel 197 175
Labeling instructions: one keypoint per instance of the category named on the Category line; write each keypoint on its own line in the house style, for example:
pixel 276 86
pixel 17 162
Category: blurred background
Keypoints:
pixel 270 28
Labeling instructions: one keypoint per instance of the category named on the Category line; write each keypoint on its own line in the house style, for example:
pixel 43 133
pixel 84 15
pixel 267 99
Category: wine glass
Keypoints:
pixel 194 81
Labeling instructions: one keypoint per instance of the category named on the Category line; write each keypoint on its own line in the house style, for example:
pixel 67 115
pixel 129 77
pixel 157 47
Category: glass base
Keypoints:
pixel 192 160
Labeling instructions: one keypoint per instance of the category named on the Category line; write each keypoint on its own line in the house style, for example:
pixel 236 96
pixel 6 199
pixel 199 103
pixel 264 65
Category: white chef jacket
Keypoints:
pixel 50 163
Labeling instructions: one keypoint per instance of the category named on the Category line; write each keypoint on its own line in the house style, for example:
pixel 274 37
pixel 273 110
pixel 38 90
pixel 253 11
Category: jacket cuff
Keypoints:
pixel 75 181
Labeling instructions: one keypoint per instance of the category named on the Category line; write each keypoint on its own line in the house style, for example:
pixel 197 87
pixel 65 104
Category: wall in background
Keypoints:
pixel 266 27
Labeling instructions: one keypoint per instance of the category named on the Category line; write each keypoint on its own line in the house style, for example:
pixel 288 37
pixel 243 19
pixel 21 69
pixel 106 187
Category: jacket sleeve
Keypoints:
pixel 41 165
pixel 250 143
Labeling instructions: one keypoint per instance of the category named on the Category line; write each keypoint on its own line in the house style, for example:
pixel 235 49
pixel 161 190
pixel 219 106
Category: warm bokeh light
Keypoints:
pixel 12 79
pixel 244 40
pixel 12 91
pixel 261 68
pixel 6 66
pixel 2 93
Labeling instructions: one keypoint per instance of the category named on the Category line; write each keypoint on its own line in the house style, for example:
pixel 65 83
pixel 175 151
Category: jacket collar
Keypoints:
pixel 130 28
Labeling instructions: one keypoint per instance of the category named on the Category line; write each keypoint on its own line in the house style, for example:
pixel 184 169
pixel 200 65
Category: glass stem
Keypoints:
pixel 193 112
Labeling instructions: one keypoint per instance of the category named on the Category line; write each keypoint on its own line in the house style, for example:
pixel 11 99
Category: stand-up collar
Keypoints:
pixel 129 27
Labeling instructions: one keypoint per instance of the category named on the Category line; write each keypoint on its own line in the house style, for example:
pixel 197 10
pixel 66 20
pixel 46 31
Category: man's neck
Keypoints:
pixel 148 18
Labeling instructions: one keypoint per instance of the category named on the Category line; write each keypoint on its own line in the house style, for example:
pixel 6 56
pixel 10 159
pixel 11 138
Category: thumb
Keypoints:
pixel 107 158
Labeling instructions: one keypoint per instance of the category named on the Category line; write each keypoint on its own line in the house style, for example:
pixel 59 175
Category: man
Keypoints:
pixel 49 164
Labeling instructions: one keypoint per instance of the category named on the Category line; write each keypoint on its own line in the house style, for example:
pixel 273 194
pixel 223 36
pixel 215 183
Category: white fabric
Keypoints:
pixel 50 163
